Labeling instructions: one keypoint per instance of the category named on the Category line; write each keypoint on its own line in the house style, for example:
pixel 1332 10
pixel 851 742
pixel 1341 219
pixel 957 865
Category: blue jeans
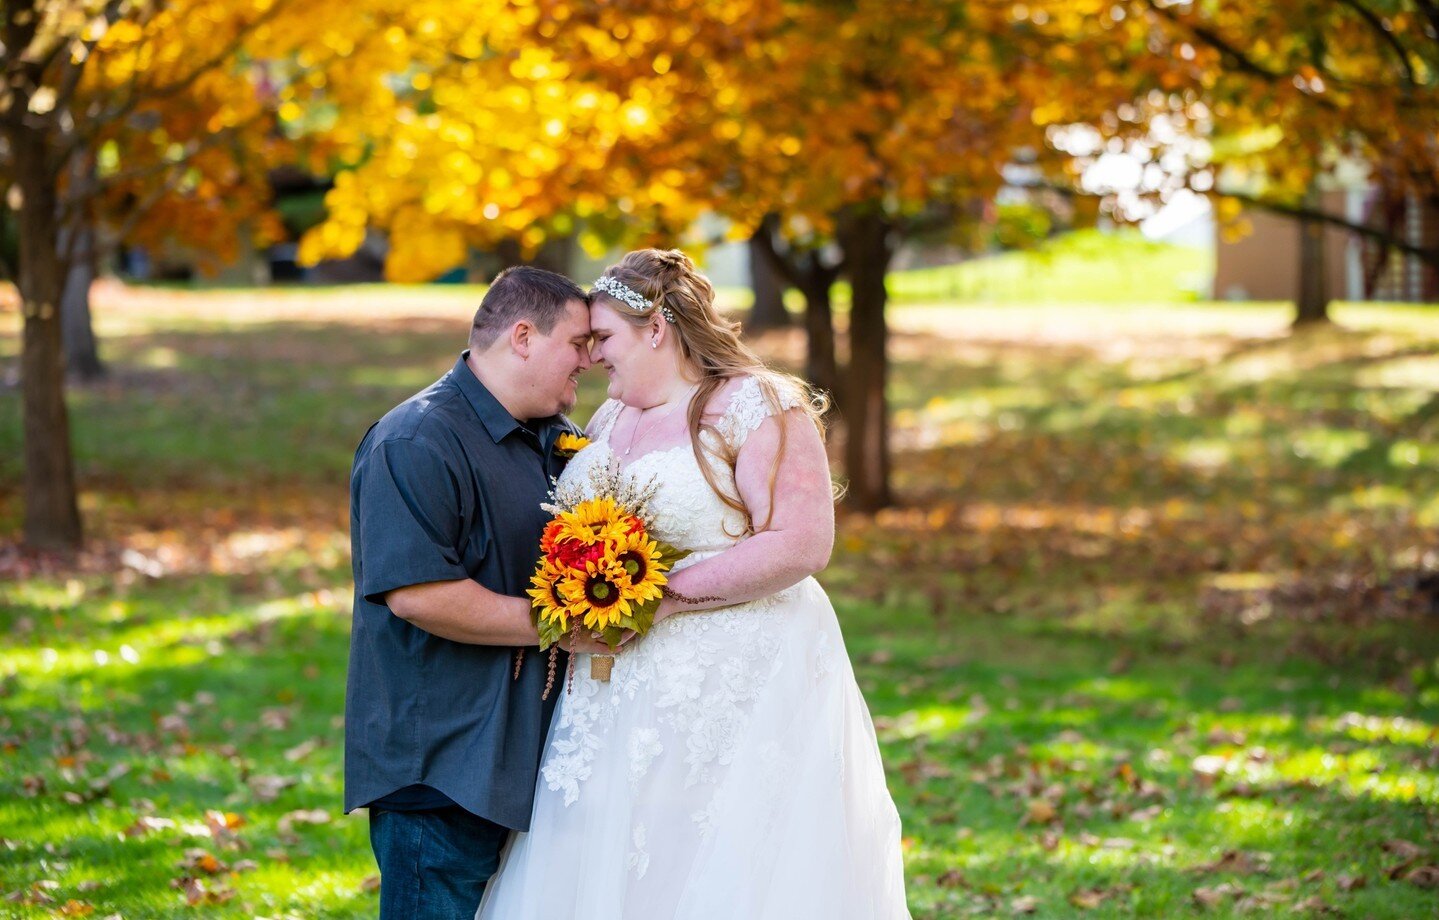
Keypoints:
pixel 434 864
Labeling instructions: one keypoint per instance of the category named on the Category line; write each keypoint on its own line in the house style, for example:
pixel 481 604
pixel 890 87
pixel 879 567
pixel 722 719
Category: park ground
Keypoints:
pixel 1154 631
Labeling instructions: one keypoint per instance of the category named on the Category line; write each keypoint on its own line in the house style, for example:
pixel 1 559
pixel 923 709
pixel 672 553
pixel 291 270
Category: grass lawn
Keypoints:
pixel 1153 633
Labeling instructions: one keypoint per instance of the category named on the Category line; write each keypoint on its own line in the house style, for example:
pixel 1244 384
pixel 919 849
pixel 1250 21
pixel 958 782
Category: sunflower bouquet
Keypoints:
pixel 601 569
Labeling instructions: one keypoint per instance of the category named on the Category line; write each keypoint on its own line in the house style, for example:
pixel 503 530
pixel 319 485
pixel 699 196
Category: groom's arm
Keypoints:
pixel 467 611
pixel 407 504
pixel 464 610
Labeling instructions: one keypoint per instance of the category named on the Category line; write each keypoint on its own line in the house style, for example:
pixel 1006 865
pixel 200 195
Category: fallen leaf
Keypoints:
pixel 1402 848
pixel 268 788
pixel 1210 897
pixel 304 816
pixel 1207 768
pixel 1423 876
pixel 1025 905
pixel 74 908
pixel 1314 904
pixel 203 861
pixel 146 824
pixel 1351 882
pixel 1040 811
pixel 1087 898
pixel 1145 815
pixel 1239 861
pixel 197 892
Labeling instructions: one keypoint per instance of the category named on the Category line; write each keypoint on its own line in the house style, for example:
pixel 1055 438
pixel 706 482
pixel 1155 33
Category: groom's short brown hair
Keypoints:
pixel 522 292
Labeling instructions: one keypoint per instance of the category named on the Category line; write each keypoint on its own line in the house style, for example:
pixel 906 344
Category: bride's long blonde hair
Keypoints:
pixel 713 348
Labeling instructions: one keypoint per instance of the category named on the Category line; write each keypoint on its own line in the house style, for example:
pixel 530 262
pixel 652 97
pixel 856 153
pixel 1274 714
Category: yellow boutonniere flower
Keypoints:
pixel 567 445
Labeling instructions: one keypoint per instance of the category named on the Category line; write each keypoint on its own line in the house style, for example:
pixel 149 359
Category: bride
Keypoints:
pixel 729 768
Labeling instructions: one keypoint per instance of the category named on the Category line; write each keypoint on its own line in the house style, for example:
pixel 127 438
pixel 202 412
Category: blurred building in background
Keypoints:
pixel 1266 263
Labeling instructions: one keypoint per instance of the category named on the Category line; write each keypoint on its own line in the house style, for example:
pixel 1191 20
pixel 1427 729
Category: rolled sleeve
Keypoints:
pixel 408 507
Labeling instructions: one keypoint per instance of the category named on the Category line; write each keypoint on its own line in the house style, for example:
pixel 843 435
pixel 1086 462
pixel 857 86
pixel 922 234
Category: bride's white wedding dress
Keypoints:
pixel 728 770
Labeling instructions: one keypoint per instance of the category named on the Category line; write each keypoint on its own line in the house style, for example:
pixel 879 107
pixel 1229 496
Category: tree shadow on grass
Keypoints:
pixel 1146 778
pixel 242 722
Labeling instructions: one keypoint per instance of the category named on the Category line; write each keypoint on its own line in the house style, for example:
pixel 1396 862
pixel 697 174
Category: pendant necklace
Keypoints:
pixel 634 432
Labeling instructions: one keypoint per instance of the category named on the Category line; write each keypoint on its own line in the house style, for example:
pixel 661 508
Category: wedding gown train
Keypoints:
pixel 728 770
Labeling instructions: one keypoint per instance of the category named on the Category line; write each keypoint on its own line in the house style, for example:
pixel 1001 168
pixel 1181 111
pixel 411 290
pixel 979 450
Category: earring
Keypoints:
pixel 654 343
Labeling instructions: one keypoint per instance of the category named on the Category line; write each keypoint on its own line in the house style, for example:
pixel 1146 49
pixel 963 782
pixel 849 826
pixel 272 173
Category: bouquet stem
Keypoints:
pixel 601 666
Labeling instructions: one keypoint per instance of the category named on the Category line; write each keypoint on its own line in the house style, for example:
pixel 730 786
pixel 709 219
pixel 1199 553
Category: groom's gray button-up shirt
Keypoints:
pixel 447 485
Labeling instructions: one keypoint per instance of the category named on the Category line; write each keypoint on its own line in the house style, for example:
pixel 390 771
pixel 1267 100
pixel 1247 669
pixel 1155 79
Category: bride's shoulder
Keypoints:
pixel 743 402
pixel 725 396
pixel 604 417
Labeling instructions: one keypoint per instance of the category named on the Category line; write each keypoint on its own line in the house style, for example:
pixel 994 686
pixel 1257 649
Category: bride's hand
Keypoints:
pixel 586 644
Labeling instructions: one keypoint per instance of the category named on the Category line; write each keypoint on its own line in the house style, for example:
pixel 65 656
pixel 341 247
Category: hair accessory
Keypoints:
pixel 630 297
pixel 623 293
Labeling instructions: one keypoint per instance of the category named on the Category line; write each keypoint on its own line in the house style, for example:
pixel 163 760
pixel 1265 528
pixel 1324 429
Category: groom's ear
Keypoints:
pixel 521 336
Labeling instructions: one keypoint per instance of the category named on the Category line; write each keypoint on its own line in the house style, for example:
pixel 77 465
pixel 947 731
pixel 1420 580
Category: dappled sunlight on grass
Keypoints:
pixel 1151 634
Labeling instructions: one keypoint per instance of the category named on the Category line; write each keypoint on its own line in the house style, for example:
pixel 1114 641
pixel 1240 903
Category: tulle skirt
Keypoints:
pixel 729 769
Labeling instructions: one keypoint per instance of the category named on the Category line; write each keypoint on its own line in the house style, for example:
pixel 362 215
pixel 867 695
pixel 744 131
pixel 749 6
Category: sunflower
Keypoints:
pixel 570 444
pixel 545 594
pixel 602 595
pixel 595 520
pixel 639 556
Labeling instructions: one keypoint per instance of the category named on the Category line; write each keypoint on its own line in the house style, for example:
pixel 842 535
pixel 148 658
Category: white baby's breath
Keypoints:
pixel 607 481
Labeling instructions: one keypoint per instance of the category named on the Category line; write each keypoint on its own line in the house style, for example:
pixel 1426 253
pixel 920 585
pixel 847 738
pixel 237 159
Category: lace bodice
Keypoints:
pixel 688 514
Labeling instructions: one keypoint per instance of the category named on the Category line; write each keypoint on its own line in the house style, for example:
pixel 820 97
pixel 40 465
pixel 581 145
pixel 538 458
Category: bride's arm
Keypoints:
pixel 800 536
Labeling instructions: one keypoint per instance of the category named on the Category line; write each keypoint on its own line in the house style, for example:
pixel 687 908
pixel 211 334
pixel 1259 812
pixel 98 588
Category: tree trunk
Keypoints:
pixel 813 276
pixel 52 517
pixel 766 282
pixel 82 354
pixel 1312 305
pixel 864 235
pixel 820 366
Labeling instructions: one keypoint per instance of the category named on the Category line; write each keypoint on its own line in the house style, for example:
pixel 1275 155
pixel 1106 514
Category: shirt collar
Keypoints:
pixel 494 416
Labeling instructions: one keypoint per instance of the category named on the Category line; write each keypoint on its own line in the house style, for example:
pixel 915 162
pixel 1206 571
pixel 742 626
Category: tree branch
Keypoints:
pixel 184 82
pixel 1376 25
pixel 196 146
pixel 1302 212
pixel 1246 64
pixel 1216 41
pixel 1431 13
pixel 1429 257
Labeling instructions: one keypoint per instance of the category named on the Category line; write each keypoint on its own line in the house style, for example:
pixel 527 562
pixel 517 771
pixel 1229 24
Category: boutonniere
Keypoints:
pixel 567 445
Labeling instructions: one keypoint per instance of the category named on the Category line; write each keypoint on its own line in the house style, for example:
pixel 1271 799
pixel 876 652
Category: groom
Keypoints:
pixel 442 741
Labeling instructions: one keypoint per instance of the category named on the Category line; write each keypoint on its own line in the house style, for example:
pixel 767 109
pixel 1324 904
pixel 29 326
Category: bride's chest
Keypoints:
pixel 687 511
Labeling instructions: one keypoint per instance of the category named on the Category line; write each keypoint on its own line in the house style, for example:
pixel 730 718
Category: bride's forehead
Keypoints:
pixel 605 318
